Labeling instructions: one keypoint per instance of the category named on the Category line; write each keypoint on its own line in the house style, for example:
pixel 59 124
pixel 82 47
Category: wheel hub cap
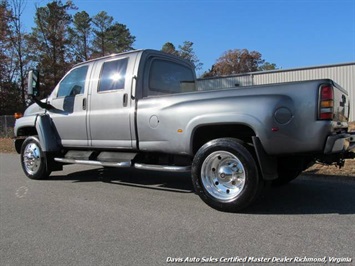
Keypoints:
pixel 32 158
pixel 223 175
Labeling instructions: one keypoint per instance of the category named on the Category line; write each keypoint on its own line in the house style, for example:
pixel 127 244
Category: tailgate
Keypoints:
pixel 341 104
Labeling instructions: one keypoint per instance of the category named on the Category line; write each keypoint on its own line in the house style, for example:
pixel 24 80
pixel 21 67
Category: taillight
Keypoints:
pixel 326 102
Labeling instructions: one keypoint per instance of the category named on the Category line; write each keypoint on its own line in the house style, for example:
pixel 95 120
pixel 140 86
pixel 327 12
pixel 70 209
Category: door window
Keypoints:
pixel 73 83
pixel 113 75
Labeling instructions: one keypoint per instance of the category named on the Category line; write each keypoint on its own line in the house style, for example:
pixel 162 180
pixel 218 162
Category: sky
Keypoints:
pixel 289 33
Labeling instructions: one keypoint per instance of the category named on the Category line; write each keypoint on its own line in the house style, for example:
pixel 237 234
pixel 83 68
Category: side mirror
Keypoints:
pixel 33 83
pixel 33 89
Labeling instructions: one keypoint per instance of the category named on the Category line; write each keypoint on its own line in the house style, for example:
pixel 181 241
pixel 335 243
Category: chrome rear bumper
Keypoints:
pixel 340 143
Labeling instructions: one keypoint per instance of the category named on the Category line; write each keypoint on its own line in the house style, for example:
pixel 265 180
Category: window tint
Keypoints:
pixel 73 83
pixel 113 75
pixel 166 77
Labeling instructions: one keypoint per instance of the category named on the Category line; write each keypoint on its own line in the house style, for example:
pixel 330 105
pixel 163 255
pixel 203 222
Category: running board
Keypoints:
pixel 142 166
pixel 163 168
pixel 95 163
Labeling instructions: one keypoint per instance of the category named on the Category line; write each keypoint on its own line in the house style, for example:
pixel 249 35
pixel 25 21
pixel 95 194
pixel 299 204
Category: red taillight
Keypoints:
pixel 326 92
pixel 326 102
pixel 326 116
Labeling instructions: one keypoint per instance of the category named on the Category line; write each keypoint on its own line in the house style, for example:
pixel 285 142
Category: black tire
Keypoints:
pixel 289 168
pixel 285 177
pixel 33 159
pixel 225 175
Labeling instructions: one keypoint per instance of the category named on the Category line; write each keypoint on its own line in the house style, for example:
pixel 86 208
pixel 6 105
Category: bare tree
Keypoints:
pixel 9 89
pixel 49 41
pixel 17 38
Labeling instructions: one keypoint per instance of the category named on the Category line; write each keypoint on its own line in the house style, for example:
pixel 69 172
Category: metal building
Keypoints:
pixel 343 74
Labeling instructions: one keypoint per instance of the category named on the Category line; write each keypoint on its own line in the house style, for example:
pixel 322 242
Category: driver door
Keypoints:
pixel 69 100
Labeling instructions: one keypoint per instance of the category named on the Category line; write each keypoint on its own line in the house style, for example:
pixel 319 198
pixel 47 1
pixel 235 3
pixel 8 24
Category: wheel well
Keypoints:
pixel 206 133
pixel 21 134
pixel 27 131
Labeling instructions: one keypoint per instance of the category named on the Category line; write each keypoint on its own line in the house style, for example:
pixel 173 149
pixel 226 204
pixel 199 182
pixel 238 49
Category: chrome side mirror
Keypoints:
pixel 33 83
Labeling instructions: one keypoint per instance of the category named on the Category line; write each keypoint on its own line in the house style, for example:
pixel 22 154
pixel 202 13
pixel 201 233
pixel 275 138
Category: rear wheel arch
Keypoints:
pixel 205 133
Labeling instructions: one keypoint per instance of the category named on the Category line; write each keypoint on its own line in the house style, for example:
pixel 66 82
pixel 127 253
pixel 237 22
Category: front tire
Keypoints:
pixel 33 159
pixel 225 175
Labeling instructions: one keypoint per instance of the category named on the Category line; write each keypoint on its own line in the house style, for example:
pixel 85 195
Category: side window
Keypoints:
pixel 73 83
pixel 113 75
pixel 167 77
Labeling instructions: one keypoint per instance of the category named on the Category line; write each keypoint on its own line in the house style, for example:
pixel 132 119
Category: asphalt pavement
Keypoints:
pixel 95 216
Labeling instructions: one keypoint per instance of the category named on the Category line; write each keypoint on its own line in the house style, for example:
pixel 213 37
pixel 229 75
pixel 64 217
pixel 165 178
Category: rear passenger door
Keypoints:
pixel 111 108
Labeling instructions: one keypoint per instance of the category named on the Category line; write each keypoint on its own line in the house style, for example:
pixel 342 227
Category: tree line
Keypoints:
pixel 59 40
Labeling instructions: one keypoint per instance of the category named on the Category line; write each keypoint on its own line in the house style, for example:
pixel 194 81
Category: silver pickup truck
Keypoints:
pixel 141 109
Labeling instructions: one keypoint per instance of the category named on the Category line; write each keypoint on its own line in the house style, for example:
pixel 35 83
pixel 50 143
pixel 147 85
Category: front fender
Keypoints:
pixel 42 126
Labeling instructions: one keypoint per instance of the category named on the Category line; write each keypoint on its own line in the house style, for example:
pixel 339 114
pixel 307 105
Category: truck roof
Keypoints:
pixel 152 51
pixel 111 55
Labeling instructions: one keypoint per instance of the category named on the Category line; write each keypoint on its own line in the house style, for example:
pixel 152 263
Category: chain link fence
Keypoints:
pixel 7 123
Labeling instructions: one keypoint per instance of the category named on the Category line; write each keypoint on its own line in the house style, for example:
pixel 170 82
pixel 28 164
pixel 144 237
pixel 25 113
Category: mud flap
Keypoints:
pixel 47 134
pixel 267 163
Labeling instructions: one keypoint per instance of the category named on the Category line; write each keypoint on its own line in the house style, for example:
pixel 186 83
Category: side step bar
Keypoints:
pixel 163 168
pixel 152 167
pixel 94 163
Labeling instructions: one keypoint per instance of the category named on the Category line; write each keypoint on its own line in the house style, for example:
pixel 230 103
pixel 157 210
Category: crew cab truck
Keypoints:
pixel 141 109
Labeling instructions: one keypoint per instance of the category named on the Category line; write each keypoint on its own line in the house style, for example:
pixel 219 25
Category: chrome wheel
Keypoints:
pixel 32 158
pixel 223 175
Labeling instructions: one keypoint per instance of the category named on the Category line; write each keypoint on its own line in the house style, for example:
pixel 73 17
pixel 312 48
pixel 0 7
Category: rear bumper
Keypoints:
pixel 341 143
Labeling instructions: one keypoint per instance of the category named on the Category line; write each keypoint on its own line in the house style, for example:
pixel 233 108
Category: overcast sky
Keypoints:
pixel 289 33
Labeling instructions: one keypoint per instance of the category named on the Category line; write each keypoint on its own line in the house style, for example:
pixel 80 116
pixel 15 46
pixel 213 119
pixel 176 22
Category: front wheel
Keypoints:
pixel 225 175
pixel 33 160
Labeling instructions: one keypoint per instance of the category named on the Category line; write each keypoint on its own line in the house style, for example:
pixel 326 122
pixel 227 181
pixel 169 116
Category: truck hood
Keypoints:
pixel 34 109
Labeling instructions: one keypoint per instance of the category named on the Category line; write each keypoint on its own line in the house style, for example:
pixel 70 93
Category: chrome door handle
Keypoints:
pixel 125 100
pixel 84 104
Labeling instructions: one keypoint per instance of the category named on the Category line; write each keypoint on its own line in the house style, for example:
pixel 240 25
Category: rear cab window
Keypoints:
pixel 167 77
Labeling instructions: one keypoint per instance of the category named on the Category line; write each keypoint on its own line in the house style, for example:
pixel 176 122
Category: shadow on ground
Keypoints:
pixel 305 195
pixel 171 182
pixel 308 195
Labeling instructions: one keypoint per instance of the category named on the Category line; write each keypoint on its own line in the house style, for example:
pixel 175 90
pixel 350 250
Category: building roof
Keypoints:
pixel 283 70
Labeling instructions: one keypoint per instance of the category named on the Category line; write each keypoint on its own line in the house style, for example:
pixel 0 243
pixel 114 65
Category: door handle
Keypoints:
pixel 84 104
pixel 125 100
